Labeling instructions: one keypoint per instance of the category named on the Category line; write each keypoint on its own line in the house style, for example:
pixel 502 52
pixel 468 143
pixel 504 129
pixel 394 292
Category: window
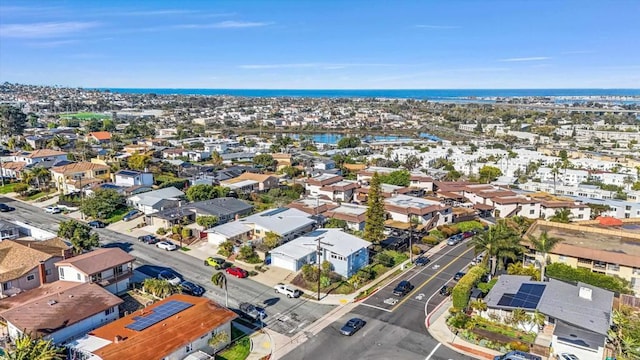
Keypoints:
pixel 31 277
pixel 47 272
pixel 79 276
pixel 109 311
pixel 61 271
pixel 532 211
pixel 6 286
pixel 189 348
pixel 580 216
pixel 613 267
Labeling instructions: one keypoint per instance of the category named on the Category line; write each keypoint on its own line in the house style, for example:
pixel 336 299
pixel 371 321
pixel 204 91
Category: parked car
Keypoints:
pixel 283 289
pixel 467 234
pixel 403 288
pixel 237 272
pixel 352 326
pixel 132 215
pixel 567 356
pixel 216 263
pixel 478 259
pixel 459 275
pixel 422 261
pixel 167 245
pixel 96 224
pixel 148 239
pixel 517 355
pixel 190 288
pixel 51 209
pixel 252 312
pixel 454 240
pixel 445 290
pixel 5 208
pixel 169 276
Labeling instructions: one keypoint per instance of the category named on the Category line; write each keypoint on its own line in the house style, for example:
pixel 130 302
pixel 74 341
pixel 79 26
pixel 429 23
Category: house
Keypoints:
pixel 157 200
pixel 101 137
pixel 579 315
pixel 610 250
pixel 170 329
pixel 76 176
pixel 428 213
pixel 129 178
pixel 287 223
pixel 419 180
pixel 225 209
pixel 313 206
pixel 8 231
pixel 59 311
pixel 16 163
pixel 260 182
pixel 346 253
pixel 354 215
pixel 387 190
pixel 25 265
pixel 110 268
pixel 332 187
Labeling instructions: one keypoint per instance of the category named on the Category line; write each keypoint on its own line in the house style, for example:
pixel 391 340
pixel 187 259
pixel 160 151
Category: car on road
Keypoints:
pixel 216 263
pixel 478 259
pixel 403 288
pixel 352 326
pixel 454 240
pixel 517 355
pixel 51 209
pixel 252 312
pixel 96 224
pixel 567 356
pixel 131 215
pixel 467 234
pixel 445 290
pixel 169 276
pixel 190 288
pixel 6 208
pixel 283 289
pixel 422 261
pixel 148 239
pixel 237 272
pixel 459 275
pixel 167 245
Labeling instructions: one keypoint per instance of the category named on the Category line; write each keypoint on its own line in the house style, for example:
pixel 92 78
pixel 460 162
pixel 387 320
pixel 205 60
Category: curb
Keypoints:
pixel 427 320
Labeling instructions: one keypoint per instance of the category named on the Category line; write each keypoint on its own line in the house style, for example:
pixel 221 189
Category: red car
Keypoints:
pixel 237 272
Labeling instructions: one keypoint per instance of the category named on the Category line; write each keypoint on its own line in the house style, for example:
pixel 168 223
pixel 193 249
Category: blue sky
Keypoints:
pixel 328 44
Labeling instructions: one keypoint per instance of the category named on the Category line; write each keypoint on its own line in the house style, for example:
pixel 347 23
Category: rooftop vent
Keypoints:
pixel 585 293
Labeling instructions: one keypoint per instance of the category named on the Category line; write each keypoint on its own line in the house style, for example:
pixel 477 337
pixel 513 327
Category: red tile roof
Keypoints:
pixel 100 135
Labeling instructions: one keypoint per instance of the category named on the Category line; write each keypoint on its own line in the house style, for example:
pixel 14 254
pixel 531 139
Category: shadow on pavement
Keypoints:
pixel 153 270
pixel 122 245
pixel 271 301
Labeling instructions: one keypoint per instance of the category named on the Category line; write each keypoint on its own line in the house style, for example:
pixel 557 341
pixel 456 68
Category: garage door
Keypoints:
pixel 283 262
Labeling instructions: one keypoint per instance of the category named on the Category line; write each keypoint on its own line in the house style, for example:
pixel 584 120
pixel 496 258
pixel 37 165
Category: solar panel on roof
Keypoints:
pixel 275 212
pixel 528 297
pixel 505 300
pixel 158 314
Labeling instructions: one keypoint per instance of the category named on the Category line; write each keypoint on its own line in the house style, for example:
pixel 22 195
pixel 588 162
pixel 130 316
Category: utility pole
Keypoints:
pixel 319 253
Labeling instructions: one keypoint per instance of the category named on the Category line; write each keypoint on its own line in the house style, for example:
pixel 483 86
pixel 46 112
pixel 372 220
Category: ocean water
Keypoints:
pixel 485 95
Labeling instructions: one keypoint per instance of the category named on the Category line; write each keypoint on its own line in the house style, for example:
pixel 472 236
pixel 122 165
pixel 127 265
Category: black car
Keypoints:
pixel 148 239
pixel 445 290
pixel 422 261
pixel 352 326
pixel 403 288
pixel 5 208
pixel 97 224
pixel 459 275
pixel 190 288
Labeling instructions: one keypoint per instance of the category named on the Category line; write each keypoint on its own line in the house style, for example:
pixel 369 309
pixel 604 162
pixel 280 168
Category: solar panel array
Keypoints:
pixel 159 313
pixel 527 297
pixel 275 212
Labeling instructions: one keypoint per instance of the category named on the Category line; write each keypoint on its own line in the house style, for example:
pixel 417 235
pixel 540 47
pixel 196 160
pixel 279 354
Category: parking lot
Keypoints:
pixel 437 272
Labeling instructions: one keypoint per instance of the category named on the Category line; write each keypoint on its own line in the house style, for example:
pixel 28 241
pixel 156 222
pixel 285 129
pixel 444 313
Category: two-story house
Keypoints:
pixel 76 176
pixel 128 178
pixel 26 265
pixel 264 182
pixel 157 200
pixel 14 165
pixel 59 311
pixel 427 213
pixel 110 268
pixel 332 187
pixel 176 328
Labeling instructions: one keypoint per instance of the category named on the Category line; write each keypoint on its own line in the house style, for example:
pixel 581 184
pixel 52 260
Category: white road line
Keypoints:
pixel 433 351
pixel 375 307
pixel 432 263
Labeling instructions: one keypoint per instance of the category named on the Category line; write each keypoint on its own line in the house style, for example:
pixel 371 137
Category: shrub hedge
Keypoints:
pixel 462 291
pixel 567 273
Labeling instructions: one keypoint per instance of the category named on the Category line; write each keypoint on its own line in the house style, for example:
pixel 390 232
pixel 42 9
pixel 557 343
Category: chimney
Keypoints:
pixel 43 273
pixel 117 339
pixel 237 217
pixel 585 293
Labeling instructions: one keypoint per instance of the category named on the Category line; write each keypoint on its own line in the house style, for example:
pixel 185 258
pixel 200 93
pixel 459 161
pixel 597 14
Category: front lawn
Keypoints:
pixel 7 188
pixel 39 194
pixel 238 350
pixel 117 215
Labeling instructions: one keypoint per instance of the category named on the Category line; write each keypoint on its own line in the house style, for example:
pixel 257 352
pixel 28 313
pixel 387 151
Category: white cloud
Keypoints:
pixel 532 58
pixel 225 25
pixel 438 27
pixel 44 30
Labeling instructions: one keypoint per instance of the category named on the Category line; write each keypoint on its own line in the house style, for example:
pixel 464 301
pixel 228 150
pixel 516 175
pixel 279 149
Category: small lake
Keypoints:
pixel 333 138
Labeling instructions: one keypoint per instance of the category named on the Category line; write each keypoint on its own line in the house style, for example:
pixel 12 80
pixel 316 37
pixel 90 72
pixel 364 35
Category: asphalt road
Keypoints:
pixel 284 315
pixel 393 331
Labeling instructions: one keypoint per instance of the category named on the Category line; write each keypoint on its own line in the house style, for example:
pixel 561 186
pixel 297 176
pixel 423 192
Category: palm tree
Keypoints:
pixel 543 244
pixel 554 172
pixel 39 174
pixel 500 242
pixel 562 216
pixel 219 279
pixel 478 305
pixel 520 317
pixel 57 142
pixel 620 335
pixel 538 318
pixel 158 287
pixel 26 348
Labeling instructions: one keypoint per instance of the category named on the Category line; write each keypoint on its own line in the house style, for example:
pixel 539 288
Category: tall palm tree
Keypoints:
pixel 543 244
pixel 26 348
pixel 562 216
pixel 219 279
pixel 57 142
pixel 499 242
pixel 40 175
pixel 554 172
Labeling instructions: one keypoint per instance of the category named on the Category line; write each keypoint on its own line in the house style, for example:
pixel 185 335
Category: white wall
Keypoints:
pixel 34 232
pixel 69 273
pixel 216 239
pixel 579 351
pixel 200 343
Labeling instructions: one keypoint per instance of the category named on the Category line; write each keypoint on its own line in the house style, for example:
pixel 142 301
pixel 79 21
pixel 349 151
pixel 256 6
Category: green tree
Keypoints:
pixel 562 216
pixel 336 223
pixel 158 287
pixel 207 221
pixel 264 160
pixel 625 334
pixel 291 171
pixel 271 240
pixel 102 203
pixel 57 142
pixel 220 338
pixel 398 178
pixel 201 192
pixel 40 174
pixel 488 174
pixel 79 234
pixel 216 159
pixel 226 248
pixel 499 242
pixel 21 188
pixel 28 348
pixel 375 215
pixel 12 121
pixel 543 245
pixel 93 125
pixel 138 161
pixel 219 279
pixel 518 269
pixel 348 142
pixel 108 125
